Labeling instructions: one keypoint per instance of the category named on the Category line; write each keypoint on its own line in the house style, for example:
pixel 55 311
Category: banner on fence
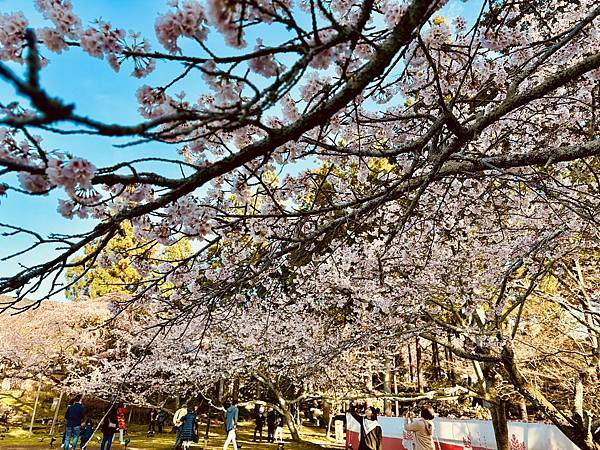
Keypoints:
pixel 452 434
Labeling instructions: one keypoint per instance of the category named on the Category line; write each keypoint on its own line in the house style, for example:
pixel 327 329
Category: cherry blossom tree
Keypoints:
pixel 53 339
pixel 292 353
pixel 375 158
pixel 477 278
pixel 364 83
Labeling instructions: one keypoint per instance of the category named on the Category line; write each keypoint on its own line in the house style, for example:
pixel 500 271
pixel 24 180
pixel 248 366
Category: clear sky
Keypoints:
pixel 108 96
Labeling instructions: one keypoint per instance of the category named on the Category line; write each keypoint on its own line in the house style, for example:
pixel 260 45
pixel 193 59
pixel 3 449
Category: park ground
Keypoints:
pixel 314 439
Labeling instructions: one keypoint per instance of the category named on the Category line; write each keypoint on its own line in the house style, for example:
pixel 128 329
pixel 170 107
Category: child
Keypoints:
pixel 86 433
pixel 279 430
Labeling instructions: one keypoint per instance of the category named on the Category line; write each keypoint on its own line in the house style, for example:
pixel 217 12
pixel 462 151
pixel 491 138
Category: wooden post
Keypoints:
pixel 37 397
pixel 56 412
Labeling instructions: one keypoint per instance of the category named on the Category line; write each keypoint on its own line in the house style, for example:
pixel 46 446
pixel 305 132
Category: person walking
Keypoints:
pixel 189 428
pixel 271 424
pixel 177 422
pixel 279 428
pixel 152 422
pixel 161 418
pixel 121 422
pixel 371 436
pixel 73 417
pixel 259 422
pixel 231 419
pixel 422 428
pixel 109 427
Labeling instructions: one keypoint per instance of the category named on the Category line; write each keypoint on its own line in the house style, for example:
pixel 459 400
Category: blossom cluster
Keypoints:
pixel 12 31
pixel 187 20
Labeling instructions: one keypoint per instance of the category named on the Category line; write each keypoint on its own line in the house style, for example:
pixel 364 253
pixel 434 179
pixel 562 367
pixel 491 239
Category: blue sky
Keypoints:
pixel 105 95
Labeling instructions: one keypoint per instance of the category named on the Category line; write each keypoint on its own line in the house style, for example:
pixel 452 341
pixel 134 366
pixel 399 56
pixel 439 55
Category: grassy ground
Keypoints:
pixel 314 440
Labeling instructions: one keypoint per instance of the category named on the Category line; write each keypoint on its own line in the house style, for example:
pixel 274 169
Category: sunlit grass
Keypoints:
pixel 19 439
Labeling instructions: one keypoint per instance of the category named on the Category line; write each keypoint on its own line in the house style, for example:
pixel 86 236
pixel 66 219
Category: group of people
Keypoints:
pixel 79 428
pixel 274 422
pixel 185 426
pixel 156 421
pixel 371 436
pixel 114 420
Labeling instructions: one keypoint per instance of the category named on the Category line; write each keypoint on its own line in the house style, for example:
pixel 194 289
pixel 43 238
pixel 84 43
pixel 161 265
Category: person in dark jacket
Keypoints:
pixel 151 422
pixel 86 432
pixel 109 427
pixel 189 429
pixel 259 422
pixel 271 424
pixel 65 430
pixel 161 418
pixel 73 417
pixel 371 437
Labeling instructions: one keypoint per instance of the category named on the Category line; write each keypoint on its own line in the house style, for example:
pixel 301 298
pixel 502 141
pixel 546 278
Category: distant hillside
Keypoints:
pixel 6 300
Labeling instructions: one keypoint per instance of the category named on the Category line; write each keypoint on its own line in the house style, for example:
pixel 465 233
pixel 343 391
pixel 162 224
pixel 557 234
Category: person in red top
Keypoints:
pixel 121 423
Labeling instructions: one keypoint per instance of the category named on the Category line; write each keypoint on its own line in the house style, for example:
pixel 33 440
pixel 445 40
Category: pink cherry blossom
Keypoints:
pixel 60 12
pixel 223 14
pixel 393 11
pixel 66 208
pixel 53 40
pixel 12 31
pixel 264 65
pixel 34 183
pixel 79 171
pixel 189 20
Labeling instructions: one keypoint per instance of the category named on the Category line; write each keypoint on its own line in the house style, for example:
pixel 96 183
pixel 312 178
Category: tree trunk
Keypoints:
pixel 35 405
pixel 579 432
pixel 207 428
pixel 500 423
pixel 289 419
pixel 221 390
pixel 327 414
pixel 56 412
pixel 410 365
pixel 236 389
pixel 396 404
pixel 523 409
pixel 283 404
pixel 419 375
pixel 387 387
pixel 450 361
pixel 435 360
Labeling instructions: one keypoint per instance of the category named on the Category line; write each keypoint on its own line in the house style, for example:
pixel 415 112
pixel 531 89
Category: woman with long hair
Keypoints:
pixel 109 427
